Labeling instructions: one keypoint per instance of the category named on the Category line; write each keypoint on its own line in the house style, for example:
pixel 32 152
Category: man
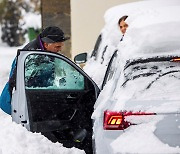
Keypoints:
pixel 51 39
pixel 123 25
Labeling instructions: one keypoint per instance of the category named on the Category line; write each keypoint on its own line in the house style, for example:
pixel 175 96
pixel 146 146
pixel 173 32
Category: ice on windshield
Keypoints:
pixel 148 76
pixel 47 72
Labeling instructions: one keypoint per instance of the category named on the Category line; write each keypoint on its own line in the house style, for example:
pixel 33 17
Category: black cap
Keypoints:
pixel 53 34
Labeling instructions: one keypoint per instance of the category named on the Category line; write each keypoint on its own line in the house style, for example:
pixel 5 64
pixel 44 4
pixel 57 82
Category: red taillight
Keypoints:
pixel 175 60
pixel 116 120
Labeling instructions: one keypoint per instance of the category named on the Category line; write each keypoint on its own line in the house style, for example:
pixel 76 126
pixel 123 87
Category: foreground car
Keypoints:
pixel 138 110
pixel 144 110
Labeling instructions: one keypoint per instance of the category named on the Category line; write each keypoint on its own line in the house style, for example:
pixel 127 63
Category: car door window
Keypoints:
pixel 47 72
pixel 96 47
pixel 110 69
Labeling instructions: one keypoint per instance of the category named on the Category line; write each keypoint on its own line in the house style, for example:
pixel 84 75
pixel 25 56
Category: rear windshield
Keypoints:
pixel 157 77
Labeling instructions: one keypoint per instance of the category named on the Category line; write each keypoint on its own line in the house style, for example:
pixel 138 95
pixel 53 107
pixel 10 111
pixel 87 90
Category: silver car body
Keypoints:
pixel 142 87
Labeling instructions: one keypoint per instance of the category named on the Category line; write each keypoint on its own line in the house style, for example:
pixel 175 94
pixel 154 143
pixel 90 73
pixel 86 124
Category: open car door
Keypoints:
pixel 55 97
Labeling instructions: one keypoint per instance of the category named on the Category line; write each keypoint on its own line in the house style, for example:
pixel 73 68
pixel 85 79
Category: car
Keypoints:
pixel 138 109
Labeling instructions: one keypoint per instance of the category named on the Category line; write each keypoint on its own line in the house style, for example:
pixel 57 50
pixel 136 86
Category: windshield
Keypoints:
pixel 153 78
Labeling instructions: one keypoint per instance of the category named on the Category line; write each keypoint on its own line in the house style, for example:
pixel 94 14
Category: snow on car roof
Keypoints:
pixel 148 21
pixel 154 31
pixel 152 24
pixel 141 14
pixel 134 8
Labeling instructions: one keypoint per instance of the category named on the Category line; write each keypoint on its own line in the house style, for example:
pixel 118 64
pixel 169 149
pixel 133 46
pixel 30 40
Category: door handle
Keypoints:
pixel 71 97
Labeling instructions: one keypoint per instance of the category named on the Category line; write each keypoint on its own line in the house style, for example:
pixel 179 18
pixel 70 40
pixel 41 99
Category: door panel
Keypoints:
pixel 54 92
pixel 49 105
pixel 59 95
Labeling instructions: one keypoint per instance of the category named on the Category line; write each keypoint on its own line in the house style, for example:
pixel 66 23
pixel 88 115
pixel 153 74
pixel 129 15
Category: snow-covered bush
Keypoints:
pixel 13 14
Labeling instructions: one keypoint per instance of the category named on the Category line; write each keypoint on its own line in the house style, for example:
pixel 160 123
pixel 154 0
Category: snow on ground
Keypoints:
pixel 15 139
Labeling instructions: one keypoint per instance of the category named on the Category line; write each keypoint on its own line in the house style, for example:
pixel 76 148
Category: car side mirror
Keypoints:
pixel 80 58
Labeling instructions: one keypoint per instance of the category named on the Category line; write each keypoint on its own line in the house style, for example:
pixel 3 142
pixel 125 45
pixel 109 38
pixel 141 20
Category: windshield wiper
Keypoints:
pixel 161 75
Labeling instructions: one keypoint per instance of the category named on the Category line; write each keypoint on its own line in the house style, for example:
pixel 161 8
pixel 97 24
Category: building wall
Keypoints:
pixel 87 20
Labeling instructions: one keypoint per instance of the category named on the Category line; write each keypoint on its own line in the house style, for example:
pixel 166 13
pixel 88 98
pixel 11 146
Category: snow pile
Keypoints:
pixel 136 9
pixel 152 33
pixel 32 20
pixel 140 138
pixel 107 47
pixel 16 139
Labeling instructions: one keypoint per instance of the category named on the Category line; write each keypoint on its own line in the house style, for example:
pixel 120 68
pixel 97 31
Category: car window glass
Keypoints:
pixel 110 69
pixel 96 47
pixel 144 79
pixel 102 56
pixel 151 69
pixel 48 72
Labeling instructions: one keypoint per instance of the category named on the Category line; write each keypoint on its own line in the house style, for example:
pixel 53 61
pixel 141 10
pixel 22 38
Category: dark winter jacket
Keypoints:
pixel 35 44
pixel 5 98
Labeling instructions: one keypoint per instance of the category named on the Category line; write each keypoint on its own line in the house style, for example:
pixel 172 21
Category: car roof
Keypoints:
pixel 156 31
pixel 132 8
pixel 153 30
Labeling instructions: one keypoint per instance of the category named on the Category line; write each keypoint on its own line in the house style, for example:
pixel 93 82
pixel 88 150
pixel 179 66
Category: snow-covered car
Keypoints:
pixel 107 42
pixel 55 97
pixel 138 110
